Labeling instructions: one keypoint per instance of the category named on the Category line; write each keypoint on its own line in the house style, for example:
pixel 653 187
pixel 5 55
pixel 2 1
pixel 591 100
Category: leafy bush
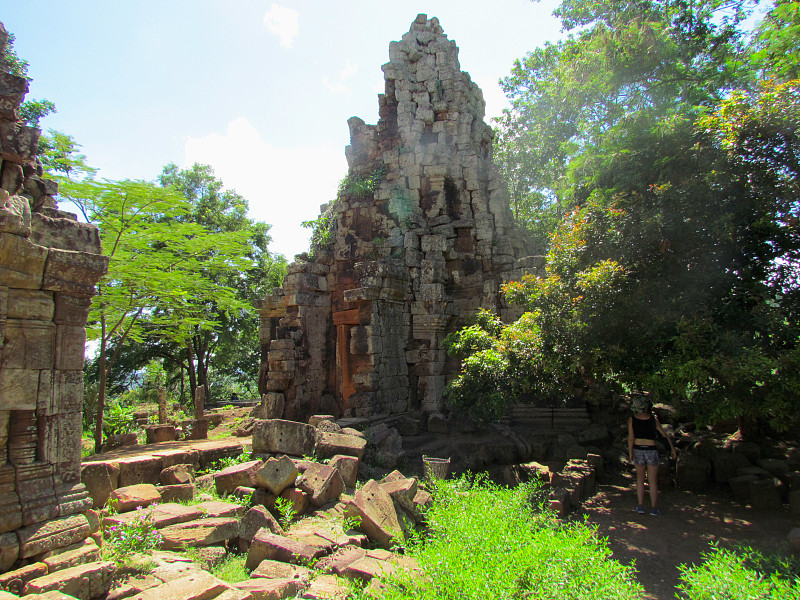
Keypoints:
pixel 727 574
pixel 118 418
pixel 485 541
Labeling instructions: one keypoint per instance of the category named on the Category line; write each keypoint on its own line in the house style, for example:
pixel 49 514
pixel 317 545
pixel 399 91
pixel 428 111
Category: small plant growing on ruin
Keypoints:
pixel 135 536
pixel 286 510
pixel 351 523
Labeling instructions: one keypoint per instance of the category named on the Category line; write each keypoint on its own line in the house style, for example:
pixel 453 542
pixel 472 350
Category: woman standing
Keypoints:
pixel 643 429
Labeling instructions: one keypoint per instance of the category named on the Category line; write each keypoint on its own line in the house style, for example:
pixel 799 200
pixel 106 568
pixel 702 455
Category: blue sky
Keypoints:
pixel 259 90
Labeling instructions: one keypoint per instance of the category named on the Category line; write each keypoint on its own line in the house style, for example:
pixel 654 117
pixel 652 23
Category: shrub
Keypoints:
pixel 727 574
pixel 489 542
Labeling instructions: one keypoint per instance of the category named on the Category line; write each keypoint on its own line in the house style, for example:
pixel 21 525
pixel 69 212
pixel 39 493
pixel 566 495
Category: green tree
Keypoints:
pixel 157 268
pixel 676 266
pixel 232 349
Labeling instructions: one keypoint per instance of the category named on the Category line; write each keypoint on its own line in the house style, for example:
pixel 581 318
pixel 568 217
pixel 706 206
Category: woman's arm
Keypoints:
pixel 672 453
pixel 630 438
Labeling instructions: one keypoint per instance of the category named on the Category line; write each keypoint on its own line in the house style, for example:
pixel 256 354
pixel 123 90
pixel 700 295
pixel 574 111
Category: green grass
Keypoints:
pixel 232 569
pixel 486 541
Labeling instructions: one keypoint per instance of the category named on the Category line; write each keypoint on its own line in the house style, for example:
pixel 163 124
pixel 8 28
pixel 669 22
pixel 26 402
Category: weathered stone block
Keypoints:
pixel 178 493
pixel 232 477
pixel 29 345
pixel 21 262
pixel 57 533
pixel 322 483
pixel 176 475
pixel 30 305
pixel 132 497
pixel 331 444
pixel 19 389
pixel 73 272
pixel 203 532
pixel 85 553
pixel 197 585
pixel 273 588
pixel 255 519
pixel 213 508
pixel 268 546
pixel 276 474
pixel 277 436
pixel 347 467
pixel 377 513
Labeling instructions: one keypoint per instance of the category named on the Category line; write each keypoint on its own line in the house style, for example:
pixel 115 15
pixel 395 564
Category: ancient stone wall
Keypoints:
pixel 49 264
pixel 422 236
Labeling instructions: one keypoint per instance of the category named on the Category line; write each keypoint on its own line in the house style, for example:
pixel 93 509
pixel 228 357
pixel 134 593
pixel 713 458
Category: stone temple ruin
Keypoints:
pixel 49 265
pixel 358 331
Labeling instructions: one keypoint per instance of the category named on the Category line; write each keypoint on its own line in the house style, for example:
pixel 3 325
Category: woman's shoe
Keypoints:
pixel 654 511
pixel 640 509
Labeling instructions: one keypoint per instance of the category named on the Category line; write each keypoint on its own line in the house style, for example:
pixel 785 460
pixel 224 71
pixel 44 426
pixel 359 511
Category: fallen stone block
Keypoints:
pixel 243 494
pixel 84 582
pixel 162 515
pixel 215 508
pixel 339 560
pixel 176 475
pixel 235 594
pixel 273 569
pixel 178 493
pixel 740 486
pixel 692 472
pixel 255 519
pixel 347 467
pixel 276 436
pixel 134 496
pixel 373 506
pixel 403 492
pixel 794 539
pixel 52 595
pixel 197 585
pixel 268 546
pixel 264 498
pixel 322 483
pixel 315 420
pixel 203 532
pixel 300 500
pixel 270 589
pixel 367 568
pixel 331 444
pixel 100 479
pixel 139 469
pixel 232 477
pixel 276 474
pixel 327 587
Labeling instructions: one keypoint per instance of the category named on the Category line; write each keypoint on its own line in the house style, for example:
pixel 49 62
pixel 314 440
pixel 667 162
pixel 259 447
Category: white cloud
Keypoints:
pixel 340 87
pixel 283 22
pixel 284 186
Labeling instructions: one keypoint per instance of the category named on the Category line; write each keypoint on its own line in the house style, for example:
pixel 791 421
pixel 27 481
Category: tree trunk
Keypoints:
pixel 101 392
pixel 190 369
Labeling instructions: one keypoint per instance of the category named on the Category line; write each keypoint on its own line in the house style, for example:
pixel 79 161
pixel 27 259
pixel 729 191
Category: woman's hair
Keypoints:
pixel 641 404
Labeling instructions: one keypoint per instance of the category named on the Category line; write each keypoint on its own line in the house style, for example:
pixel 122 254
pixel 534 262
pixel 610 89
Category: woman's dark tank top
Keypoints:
pixel 644 429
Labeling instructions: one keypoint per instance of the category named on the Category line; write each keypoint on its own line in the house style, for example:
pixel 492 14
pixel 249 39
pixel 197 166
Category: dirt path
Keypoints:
pixel 689 521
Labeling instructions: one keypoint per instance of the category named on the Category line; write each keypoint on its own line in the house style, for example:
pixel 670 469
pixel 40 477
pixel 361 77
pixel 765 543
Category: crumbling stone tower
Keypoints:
pixel 422 236
pixel 49 265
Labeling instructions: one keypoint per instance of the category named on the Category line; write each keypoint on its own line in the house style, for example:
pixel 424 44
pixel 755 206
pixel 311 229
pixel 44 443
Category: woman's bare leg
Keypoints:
pixel 640 471
pixel 652 478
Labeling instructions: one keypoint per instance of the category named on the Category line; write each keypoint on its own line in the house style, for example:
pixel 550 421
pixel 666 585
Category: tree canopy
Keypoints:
pixel 663 143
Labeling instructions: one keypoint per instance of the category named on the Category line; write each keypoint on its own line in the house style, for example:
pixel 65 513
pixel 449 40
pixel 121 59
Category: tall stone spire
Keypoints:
pixel 421 237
